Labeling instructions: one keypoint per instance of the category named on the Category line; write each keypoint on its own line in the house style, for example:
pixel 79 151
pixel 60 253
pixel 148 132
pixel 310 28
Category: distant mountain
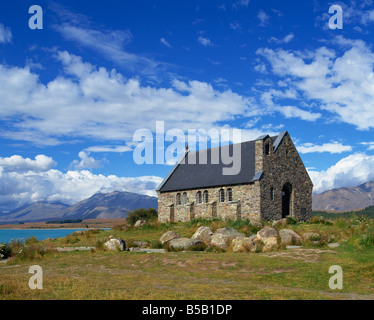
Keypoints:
pixel 345 199
pixel 109 205
pixel 100 206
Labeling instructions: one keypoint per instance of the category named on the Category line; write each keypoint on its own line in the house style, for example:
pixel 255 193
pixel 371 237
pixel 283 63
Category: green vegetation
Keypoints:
pixel 210 274
pixel 64 221
pixel 149 214
pixel 367 212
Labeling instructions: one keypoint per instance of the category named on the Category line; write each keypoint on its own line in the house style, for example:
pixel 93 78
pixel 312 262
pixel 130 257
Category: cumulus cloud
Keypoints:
pixel 286 39
pixel 348 172
pixel 24 181
pixel 86 162
pixel 101 104
pixel 333 147
pixel 341 82
pixel 5 34
pixel 17 163
pixel 263 17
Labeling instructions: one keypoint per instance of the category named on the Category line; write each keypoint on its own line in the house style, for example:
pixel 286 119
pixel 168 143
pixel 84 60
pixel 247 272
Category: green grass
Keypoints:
pixel 282 274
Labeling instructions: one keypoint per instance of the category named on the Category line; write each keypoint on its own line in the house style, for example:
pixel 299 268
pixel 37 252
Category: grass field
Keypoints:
pixel 280 274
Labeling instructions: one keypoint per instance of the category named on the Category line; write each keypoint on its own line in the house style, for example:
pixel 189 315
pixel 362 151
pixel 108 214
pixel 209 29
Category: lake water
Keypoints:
pixel 41 234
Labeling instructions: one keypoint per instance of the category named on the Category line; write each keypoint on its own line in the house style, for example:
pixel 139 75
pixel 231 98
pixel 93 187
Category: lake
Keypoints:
pixel 41 234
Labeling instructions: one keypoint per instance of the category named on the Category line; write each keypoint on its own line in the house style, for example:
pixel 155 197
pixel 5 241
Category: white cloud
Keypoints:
pixel 86 162
pixel 165 42
pixel 369 145
pixel 263 17
pixel 205 41
pixel 101 104
pixel 333 147
pixel 24 182
pixel 342 84
pixel 119 149
pixel 5 34
pixel 348 172
pixel 17 163
pixel 295 112
pixel 286 39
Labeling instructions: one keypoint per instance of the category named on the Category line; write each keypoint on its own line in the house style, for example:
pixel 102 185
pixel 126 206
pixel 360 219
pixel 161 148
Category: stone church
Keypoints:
pixel 272 184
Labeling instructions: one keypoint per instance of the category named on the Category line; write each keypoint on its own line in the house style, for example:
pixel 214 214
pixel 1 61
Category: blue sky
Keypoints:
pixel 73 94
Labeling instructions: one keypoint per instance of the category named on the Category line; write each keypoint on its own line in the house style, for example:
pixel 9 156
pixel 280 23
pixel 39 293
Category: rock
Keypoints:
pixel 256 224
pixel 334 245
pixel 223 237
pixel 168 236
pixel 184 243
pixel 232 233
pixel 140 244
pixel 289 237
pixel 221 241
pixel 245 244
pixel 277 223
pixel 147 250
pixel 269 236
pixel 313 236
pixel 293 247
pixel 140 223
pixel 204 234
pixel 124 227
pixel 115 245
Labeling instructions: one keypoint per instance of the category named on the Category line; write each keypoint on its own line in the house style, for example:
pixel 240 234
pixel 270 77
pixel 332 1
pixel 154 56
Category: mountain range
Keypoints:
pixel 99 206
pixel 345 199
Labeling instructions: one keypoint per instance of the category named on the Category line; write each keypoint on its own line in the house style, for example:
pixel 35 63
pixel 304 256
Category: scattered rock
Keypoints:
pixel 140 244
pixel 223 237
pixel 313 236
pixel 269 237
pixel 147 250
pixel 221 241
pixel 334 245
pixel 293 247
pixel 204 234
pixel 140 223
pixel 245 244
pixel 69 249
pixel 289 237
pixel 256 224
pixel 115 245
pixel 281 223
pixel 184 243
pixel 168 236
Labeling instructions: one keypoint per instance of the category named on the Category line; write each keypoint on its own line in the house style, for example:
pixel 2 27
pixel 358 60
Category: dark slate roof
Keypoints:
pixel 187 175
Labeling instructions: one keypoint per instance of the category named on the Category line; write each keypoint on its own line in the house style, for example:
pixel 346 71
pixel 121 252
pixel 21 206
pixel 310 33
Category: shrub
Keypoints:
pixel 291 220
pixel 141 214
pixel 99 245
pixel 155 244
pixel 31 240
pixel 5 251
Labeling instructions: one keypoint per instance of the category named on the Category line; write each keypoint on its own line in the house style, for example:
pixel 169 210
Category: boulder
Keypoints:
pixel 230 232
pixel 183 243
pixel 115 245
pixel 204 234
pixel 250 244
pixel 140 223
pixel 223 237
pixel 256 224
pixel 313 236
pixel 289 236
pixel 269 236
pixel 168 236
pixel 279 223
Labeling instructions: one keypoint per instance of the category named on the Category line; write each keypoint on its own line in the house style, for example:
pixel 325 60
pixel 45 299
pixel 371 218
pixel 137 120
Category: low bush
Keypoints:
pixel 149 214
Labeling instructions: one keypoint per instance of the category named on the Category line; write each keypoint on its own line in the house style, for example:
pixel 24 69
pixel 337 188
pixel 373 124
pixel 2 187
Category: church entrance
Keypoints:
pixel 286 200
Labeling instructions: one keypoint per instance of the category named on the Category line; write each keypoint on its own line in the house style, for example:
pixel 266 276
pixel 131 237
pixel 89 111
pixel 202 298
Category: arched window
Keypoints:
pixel 272 193
pixel 222 195
pixel 199 197
pixel 206 196
pixel 229 194
pixel 178 199
pixel 184 197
